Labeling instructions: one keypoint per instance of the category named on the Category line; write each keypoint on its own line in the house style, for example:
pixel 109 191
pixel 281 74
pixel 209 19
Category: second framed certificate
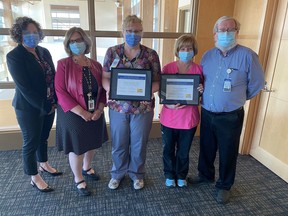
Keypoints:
pixel 179 88
pixel 131 84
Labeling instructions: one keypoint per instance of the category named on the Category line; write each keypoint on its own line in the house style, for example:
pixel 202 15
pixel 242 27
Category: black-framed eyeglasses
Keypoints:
pixel 78 40
pixel 227 30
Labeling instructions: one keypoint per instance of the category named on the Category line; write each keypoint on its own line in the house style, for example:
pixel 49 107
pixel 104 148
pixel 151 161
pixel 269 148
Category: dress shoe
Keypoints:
pixel 93 176
pixel 56 173
pixel 199 180
pixel 223 196
pixel 47 189
pixel 82 191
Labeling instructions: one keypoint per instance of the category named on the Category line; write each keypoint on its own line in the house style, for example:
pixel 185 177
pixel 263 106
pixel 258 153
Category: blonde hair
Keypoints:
pixel 85 37
pixel 129 20
pixel 185 40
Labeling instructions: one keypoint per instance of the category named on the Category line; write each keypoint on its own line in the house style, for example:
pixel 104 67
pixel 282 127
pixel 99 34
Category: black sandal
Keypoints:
pixel 56 173
pixel 82 191
pixel 93 176
pixel 47 189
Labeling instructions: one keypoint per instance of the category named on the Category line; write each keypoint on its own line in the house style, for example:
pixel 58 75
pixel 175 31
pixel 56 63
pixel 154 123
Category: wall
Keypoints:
pixel 209 11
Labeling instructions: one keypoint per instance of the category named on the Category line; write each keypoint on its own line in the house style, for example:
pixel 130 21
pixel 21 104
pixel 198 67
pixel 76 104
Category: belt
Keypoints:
pixel 224 113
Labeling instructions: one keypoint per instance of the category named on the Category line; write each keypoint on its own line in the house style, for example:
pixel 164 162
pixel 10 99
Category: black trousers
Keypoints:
pixel 176 147
pixel 35 132
pixel 220 131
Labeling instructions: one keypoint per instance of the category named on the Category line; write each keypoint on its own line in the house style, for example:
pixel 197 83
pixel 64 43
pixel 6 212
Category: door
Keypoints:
pixel 270 140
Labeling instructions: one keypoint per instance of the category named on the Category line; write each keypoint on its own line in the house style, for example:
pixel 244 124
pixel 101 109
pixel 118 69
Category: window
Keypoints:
pixel 160 32
pixel 64 17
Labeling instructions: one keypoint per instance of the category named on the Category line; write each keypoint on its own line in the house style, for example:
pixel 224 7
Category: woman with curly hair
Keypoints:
pixel 33 72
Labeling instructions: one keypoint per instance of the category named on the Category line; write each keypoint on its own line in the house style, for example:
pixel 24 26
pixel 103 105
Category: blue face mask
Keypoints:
pixel 31 40
pixel 132 39
pixel 77 48
pixel 226 39
pixel 186 56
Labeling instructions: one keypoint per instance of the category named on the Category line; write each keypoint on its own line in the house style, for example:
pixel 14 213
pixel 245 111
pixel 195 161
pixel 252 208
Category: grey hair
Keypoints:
pixel 223 18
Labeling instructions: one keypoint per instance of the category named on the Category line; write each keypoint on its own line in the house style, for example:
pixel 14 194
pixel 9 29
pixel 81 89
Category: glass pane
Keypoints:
pixel 175 14
pixel 51 14
pixel 7 114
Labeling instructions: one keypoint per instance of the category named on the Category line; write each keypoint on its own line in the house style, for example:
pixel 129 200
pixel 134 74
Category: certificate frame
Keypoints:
pixel 130 84
pixel 179 88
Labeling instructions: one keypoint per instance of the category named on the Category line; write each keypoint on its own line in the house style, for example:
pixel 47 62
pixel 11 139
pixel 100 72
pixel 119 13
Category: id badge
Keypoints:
pixel 114 63
pixel 227 85
pixel 91 105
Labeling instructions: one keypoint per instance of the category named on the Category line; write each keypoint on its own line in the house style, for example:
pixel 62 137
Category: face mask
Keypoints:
pixel 31 40
pixel 132 39
pixel 225 39
pixel 186 56
pixel 77 48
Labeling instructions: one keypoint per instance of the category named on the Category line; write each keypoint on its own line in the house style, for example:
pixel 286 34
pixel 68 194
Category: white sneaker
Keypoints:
pixel 138 184
pixel 182 183
pixel 113 184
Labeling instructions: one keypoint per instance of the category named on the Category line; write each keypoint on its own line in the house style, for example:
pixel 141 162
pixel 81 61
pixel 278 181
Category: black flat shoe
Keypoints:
pixel 47 189
pixel 93 176
pixel 82 191
pixel 56 173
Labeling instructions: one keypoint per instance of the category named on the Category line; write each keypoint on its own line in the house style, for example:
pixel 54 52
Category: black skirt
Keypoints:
pixel 74 134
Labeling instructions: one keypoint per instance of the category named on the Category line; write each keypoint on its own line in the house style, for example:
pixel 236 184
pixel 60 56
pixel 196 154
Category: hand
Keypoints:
pixel 145 102
pixel 108 98
pixel 54 106
pixel 97 114
pixel 200 88
pixel 87 116
pixel 175 106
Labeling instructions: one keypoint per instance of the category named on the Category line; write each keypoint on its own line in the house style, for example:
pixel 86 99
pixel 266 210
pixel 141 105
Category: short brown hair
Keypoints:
pixel 85 37
pixel 185 40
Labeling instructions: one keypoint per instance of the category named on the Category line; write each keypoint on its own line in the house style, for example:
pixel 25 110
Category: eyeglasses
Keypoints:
pixel 139 32
pixel 227 30
pixel 78 40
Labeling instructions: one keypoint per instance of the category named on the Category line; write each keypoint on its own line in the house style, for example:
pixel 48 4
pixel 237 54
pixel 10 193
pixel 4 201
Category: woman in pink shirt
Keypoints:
pixel 179 122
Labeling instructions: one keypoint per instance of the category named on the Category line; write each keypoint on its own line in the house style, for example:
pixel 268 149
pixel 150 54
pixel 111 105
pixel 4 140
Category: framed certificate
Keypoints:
pixel 131 84
pixel 179 88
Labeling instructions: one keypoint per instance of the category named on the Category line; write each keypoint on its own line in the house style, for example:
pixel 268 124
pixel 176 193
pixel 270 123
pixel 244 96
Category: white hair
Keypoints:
pixel 223 18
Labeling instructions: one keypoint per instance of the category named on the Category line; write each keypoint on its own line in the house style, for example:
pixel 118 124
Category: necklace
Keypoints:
pixel 89 83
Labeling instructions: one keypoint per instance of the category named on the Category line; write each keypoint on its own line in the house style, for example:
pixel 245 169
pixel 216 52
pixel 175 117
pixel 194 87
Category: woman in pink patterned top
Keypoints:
pixel 179 122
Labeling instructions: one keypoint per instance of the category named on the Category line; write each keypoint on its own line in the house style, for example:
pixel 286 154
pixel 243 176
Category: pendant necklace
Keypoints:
pixel 91 104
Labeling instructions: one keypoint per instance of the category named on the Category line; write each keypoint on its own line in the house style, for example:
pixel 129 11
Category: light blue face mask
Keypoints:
pixel 31 40
pixel 77 48
pixel 132 39
pixel 226 39
pixel 185 56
